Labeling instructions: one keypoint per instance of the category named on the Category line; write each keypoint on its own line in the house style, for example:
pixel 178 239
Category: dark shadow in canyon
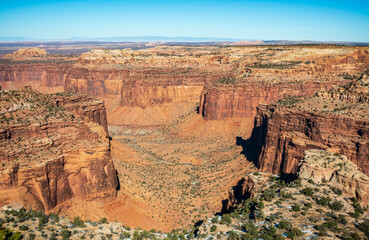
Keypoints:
pixel 249 149
pixel 118 182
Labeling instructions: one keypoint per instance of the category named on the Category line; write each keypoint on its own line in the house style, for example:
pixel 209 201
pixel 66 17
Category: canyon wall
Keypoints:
pixel 54 148
pixel 336 120
pixel 284 135
pixel 241 100
pixel 34 75
pixel 88 174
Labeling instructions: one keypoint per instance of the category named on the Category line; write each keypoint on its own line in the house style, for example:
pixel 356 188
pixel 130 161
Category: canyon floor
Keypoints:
pixel 179 173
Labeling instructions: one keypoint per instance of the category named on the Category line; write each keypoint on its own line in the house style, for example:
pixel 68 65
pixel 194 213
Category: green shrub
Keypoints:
pixel 213 228
pixel 294 233
pixel 284 224
pixel 308 192
pixel 323 201
pixel 77 222
pixel 66 234
pixel 226 219
pixel 364 227
pixel 103 220
pixel 336 205
pixel 296 208
pixel 336 190
pixel 23 228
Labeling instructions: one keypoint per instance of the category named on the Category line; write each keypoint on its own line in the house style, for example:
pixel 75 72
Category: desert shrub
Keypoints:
pixel 294 233
pixel 336 190
pixel 350 236
pixel 43 219
pixel 214 220
pixel 66 234
pixel 232 235
pixel 364 227
pixel 336 205
pixel 6 233
pixel 268 195
pixel 103 220
pixel 285 195
pixel 53 236
pixel 284 224
pixel 226 80
pixel 269 233
pixel 308 192
pixel 358 210
pixel 323 201
pixel 213 228
pixel 23 228
pixel 296 208
pixel 126 234
pixel 77 222
pixel 226 219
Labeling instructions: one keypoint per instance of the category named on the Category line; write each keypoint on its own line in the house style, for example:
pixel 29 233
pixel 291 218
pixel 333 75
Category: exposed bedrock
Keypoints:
pixel 53 149
pixel 143 94
pixel 241 100
pixel 87 173
pixel 34 75
pixel 284 134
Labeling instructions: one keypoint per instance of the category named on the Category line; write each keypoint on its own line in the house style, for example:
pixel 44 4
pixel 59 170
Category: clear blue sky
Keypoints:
pixel 267 20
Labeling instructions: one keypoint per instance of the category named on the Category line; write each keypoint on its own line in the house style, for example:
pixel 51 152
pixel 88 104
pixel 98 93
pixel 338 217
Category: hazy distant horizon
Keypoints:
pixel 311 20
pixel 166 39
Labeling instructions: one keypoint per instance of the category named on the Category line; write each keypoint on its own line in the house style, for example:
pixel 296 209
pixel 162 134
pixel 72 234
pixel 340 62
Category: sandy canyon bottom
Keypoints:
pixel 172 176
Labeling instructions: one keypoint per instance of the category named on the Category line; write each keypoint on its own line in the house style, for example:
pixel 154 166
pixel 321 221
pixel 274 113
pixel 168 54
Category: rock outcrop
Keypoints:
pixel 337 171
pixel 28 53
pixel 335 120
pixel 53 148
pixel 245 189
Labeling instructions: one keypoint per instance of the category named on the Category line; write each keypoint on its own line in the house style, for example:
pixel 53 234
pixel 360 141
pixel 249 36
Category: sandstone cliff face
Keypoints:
pixel 84 107
pixel 284 134
pixel 241 100
pixel 284 131
pixel 337 171
pixel 143 94
pixel 36 75
pixel 52 153
pixel 88 174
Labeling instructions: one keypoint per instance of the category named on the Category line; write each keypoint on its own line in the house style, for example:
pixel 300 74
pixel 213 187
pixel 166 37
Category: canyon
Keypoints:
pixel 166 132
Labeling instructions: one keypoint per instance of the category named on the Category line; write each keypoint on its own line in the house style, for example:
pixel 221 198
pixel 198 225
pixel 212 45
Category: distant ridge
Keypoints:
pixel 173 40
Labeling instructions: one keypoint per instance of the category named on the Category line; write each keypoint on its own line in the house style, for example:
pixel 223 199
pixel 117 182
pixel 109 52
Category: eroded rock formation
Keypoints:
pixel 337 171
pixel 53 148
pixel 335 120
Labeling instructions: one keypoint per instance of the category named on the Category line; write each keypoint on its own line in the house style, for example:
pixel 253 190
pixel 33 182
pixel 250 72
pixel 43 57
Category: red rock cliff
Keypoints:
pixel 329 120
pixel 241 100
pixel 52 153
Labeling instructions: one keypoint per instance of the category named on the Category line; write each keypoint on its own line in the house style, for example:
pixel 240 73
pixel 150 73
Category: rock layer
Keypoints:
pixel 241 100
pixel 54 148
pixel 285 130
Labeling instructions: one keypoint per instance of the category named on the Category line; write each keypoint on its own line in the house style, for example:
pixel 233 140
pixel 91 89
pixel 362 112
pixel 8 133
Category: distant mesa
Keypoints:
pixel 28 53
pixel 244 43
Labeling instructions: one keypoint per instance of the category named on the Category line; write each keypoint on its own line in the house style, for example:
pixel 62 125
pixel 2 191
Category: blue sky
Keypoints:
pixel 266 20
